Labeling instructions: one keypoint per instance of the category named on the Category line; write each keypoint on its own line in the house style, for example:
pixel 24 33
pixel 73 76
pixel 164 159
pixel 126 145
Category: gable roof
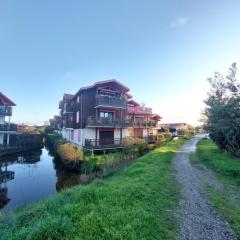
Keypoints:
pixel 123 87
pixel 6 101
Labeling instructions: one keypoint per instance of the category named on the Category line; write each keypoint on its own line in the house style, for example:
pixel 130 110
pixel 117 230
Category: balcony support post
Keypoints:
pixel 9 121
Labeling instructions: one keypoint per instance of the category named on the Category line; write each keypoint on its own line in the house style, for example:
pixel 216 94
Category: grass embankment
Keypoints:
pixel 227 169
pixel 138 202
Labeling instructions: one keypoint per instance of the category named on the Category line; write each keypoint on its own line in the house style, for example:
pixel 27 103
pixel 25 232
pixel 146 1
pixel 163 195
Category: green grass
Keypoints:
pixel 138 202
pixel 225 165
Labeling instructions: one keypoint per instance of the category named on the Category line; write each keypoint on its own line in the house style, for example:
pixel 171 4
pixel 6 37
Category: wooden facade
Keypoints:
pixel 99 116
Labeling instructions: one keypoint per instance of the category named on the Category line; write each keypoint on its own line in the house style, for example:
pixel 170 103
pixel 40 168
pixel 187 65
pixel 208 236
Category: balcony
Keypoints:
pixel 5 111
pixel 8 127
pixel 139 124
pixel 111 102
pixel 103 144
pixel 139 110
pixel 107 122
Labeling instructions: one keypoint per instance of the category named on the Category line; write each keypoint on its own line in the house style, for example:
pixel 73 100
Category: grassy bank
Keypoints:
pixel 136 203
pixel 226 168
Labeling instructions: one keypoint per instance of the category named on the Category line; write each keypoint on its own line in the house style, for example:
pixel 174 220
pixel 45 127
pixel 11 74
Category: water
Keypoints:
pixel 29 177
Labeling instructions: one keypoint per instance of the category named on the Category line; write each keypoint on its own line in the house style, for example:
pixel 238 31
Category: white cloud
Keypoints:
pixel 179 22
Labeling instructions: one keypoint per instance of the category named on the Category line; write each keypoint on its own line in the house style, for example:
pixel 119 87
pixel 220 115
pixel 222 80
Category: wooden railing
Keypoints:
pixel 107 122
pixel 114 102
pixel 140 124
pixel 8 127
pixel 5 111
pixel 103 143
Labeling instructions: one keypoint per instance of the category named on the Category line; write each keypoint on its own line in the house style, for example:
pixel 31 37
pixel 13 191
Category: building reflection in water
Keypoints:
pixel 29 177
pixel 6 175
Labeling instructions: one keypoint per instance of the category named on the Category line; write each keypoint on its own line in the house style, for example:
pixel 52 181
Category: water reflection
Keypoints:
pixel 32 176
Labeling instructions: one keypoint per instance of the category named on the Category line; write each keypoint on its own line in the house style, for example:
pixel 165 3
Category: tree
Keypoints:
pixel 222 111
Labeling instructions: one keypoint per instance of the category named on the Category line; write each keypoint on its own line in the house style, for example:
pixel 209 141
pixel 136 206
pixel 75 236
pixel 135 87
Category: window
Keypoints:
pixel 78 99
pixel 106 115
pixel 77 117
pixel 72 135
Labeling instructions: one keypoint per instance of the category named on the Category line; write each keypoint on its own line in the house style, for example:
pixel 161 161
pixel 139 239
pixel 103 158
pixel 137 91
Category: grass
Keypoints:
pixel 226 166
pixel 138 202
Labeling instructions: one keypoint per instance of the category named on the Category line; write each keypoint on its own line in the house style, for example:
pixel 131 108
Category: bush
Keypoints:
pixel 69 152
pixel 90 165
pixel 160 139
pixel 133 141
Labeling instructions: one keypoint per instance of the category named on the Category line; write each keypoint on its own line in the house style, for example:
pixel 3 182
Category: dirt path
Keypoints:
pixel 199 220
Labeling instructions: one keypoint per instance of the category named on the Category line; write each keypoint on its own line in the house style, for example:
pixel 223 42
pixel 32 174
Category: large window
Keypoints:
pixel 106 115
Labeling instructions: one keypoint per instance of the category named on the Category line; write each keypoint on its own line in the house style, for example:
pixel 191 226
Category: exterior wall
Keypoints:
pixel 129 132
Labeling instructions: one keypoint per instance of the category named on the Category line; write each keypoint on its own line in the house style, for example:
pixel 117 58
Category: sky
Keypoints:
pixel 163 50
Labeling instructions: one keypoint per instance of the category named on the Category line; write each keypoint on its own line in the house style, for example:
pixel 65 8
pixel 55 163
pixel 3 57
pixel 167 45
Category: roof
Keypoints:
pixel 156 117
pixel 6 101
pixel 133 102
pixel 68 96
pixel 124 88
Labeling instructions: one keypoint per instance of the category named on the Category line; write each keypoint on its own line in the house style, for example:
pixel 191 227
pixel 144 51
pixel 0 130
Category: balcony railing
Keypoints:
pixel 140 124
pixel 8 127
pixel 139 110
pixel 105 101
pixel 107 122
pixel 5 111
pixel 101 144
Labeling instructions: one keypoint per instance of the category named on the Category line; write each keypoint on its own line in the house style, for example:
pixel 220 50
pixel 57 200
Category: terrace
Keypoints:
pixel 106 122
pixel 5 111
pixel 112 102
pixel 8 127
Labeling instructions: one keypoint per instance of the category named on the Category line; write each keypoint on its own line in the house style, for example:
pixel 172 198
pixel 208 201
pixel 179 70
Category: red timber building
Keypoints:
pixel 101 115
pixel 6 127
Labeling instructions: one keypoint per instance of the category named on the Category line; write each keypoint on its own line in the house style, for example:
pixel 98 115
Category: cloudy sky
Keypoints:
pixel 163 50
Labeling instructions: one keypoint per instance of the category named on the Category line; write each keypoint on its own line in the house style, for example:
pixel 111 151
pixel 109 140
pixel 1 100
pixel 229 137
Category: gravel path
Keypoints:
pixel 199 220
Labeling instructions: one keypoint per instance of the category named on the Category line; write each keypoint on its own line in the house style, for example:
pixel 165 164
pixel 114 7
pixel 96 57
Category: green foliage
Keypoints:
pixel 54 140
pixel 222 111
pixel 136 203
pixel 90 165
pixel 163 137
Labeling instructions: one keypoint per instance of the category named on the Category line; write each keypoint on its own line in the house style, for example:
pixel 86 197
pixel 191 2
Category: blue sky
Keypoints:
pixel 162 50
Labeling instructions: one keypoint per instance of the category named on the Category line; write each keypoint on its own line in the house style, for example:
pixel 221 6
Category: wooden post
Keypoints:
pixel 9 120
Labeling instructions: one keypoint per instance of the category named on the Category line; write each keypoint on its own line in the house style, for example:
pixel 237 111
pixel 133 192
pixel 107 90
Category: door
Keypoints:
pixel 106 137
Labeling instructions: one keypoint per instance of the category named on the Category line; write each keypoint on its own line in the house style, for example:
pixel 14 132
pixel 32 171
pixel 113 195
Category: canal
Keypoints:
pixel 28 177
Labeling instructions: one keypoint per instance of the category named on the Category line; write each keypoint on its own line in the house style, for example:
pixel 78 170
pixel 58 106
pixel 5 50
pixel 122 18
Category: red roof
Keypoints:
pixel 6 101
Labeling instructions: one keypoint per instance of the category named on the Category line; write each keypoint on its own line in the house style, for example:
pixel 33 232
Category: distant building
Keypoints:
pixel 6 127
pixel 176 128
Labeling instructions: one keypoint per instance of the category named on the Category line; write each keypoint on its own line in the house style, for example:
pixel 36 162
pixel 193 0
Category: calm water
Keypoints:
pixel 29 177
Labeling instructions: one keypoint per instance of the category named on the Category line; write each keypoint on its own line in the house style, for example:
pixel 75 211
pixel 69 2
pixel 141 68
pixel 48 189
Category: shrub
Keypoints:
pixel 90 165
pixel 133 141
pixel 160 139
pixel 167 136
pixel 70 152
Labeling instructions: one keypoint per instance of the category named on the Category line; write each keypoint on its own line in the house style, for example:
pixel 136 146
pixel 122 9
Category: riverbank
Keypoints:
pixel 138 202
pixel 224 191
